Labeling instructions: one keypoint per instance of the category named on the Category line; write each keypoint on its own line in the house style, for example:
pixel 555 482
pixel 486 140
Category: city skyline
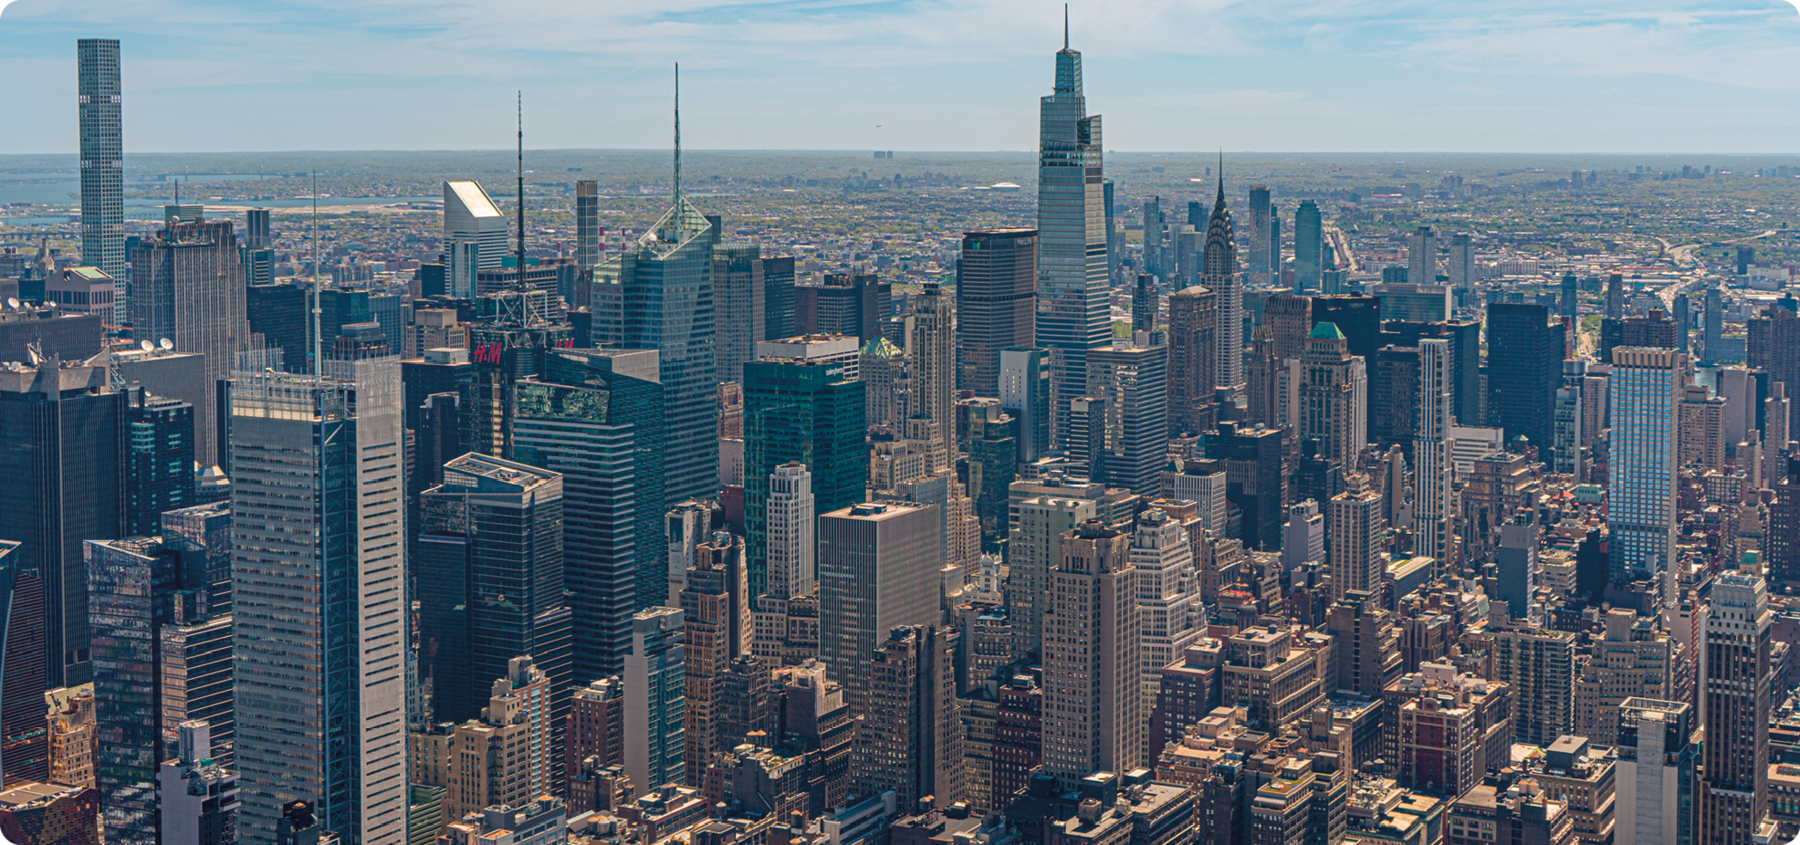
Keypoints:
pixel 1520 76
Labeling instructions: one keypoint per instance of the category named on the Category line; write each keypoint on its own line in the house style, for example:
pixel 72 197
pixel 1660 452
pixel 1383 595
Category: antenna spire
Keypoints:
pixel 1065 26
pixel 678 137
pixel 1221 173
pixel 521 107
pixel 317 310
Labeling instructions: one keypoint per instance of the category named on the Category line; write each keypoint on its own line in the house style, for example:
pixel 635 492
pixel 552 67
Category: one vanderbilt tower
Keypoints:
pixel 1073 311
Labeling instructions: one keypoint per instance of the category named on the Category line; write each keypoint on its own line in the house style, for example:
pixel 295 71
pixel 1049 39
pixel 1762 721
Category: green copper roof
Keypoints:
pixel 1327 331
pixel 883 347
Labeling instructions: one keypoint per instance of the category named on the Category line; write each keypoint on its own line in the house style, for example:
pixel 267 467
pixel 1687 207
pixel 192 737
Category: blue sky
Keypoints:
pixel 1262 75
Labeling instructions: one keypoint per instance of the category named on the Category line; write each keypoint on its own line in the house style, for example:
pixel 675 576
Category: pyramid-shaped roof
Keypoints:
pixel 1327 331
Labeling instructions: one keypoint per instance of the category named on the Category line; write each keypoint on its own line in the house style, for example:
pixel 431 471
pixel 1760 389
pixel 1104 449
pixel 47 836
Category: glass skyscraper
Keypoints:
pixel 596 416
pixel 319 573
pixel 1073 314
pixel 806 411
pixel 102 158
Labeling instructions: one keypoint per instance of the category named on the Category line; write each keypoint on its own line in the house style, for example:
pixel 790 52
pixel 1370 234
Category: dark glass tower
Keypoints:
pixel 102 156
pixel 1253 479
pixel 62 429
pixel 160 470
pixel 1525 353
pixel 996 303
pixel 489 569
pixel 1073 312
pixel 806 411
pixel 596 417
pixel 1309 246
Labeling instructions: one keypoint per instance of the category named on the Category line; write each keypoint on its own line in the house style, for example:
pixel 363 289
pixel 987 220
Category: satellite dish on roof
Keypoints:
pixel 166 344
pixel 12 302
pixel 146 345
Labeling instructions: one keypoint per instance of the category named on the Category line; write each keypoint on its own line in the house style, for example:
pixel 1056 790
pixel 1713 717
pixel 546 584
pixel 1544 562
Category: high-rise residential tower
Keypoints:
pixel 911 737
pixel 996 303
pixel 1073 315
pixel 102 156
pixel 1153 236
pixel 188 286
pixel 1219 273
pixel 934 375
pixel 1642 478
pixel 587 226
pixel 1025 393
pixel 715 610
pixel 1461 265
pixel 656 698
pixel 1433 507
pixel 320 600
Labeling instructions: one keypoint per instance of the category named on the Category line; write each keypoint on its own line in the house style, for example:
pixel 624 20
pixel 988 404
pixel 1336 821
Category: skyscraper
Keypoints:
pixel 1153 236
pixel 791 544
pixel 1262 219
pixel 996 303
pixel 656 698
pixel 1073 314
pixel 878 570
pixel 740 289
pixel 1093 681
pixel 1025 393
pixel 320 604
pixel 475 236
pixel 1525 353
pixel 1615 297
pixel 1734 790
pixel 807 411
pixel 187 286
pixel 1640 502
pixel 911 738
pixel 1035 548
pixel 1254 483
pixel 1421 256
pixel 63 431
pixel 1433 508
pixel 1461 265
pixel 934 376
pixel 1133 384
pixel 1353 526
pixel 489 575
pixel 664 300
pixel 1538 665
pixel 102 156
pixel 1659 749
pixel 160 462
pixel 1193 359
pixel 1334 396
pixel 587 226
pixel 596 418
pixel 198 797
pixel 1309 246
pixel 1219 273
pixel 715 612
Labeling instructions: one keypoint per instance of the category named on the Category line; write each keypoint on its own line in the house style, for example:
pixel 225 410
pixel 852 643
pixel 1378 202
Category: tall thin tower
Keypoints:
pixel 1073 310
pixel 1734 792
pixel 1431 449
pixel 102 157
pixel 934 362
pixel 1219 270
pixel 320 608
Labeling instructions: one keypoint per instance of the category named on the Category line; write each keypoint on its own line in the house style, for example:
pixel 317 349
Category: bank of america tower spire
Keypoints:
pixel 1073 310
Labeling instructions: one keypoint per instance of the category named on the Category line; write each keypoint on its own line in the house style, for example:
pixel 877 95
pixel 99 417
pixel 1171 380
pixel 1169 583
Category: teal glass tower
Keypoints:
pixel 1073 310
pixel 807 411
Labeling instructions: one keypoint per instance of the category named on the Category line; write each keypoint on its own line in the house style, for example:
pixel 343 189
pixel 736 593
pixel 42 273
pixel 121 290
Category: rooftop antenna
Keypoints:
pixel 521 276
pixel 678 140
pixel 1065 26
pixel 317 311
